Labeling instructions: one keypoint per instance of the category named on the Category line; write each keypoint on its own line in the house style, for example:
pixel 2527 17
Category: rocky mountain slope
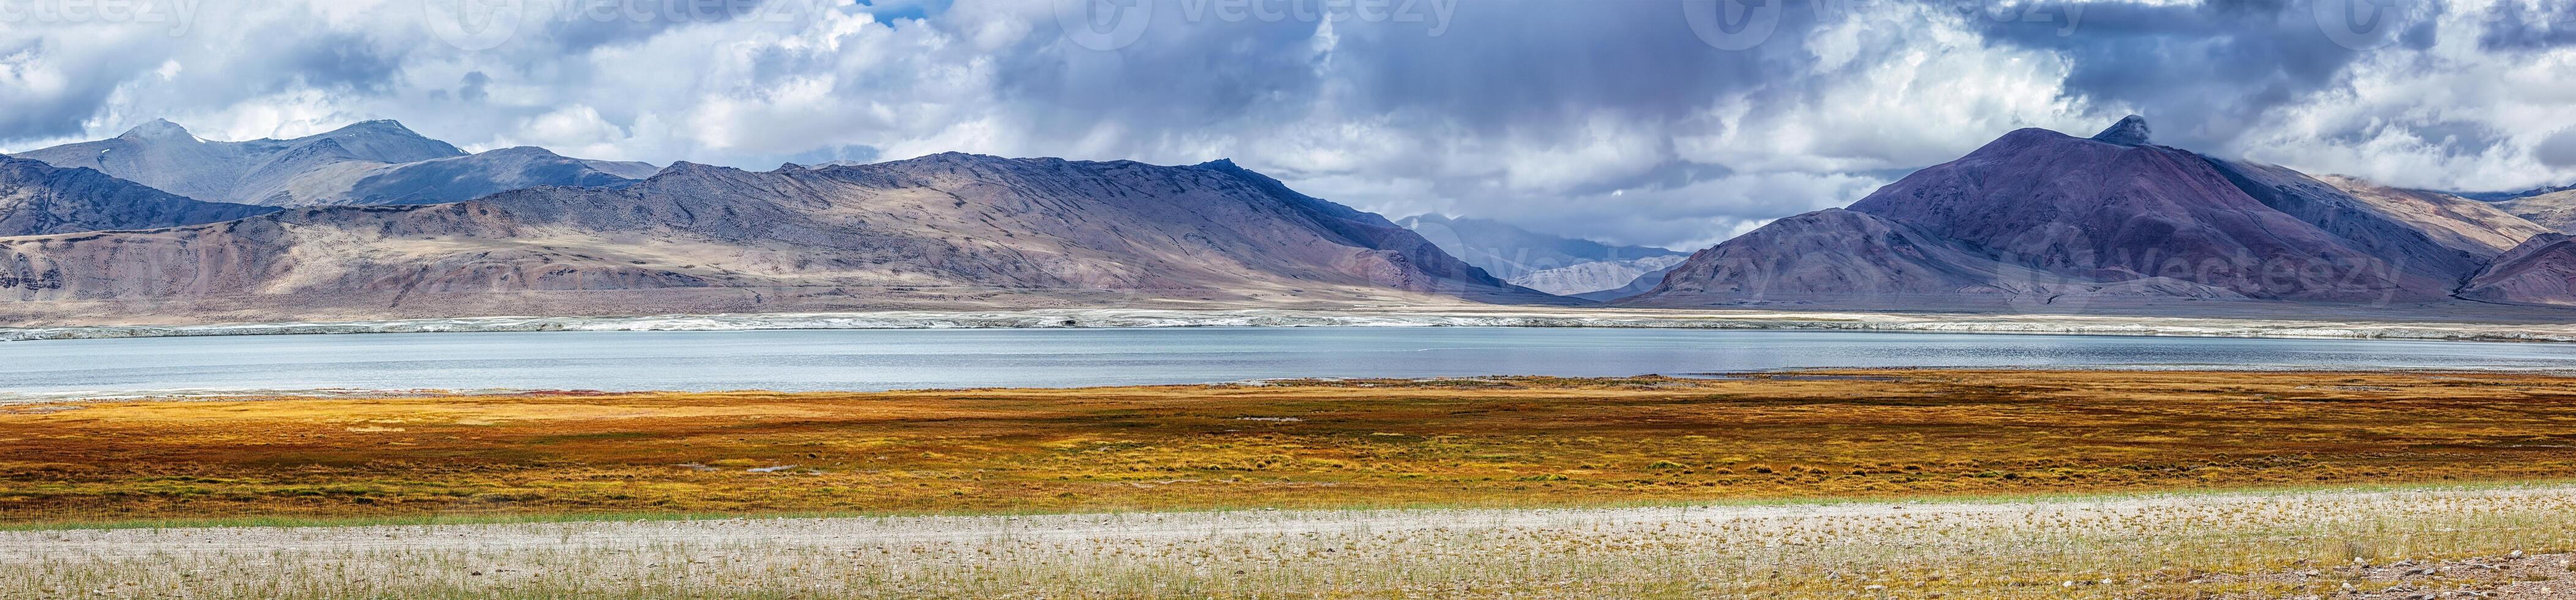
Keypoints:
pixel 375 162
pixel 2541 271
pixel 40 199
pixel 2554 210
pixel 950 231
pixel 2435 235
pixel 2039 218
pixel 1548 263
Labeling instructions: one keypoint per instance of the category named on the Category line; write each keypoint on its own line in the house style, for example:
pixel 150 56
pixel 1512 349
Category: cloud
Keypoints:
pixel 1620 121
pixel 2523 25
pixel 2557 150
pixel 2206 71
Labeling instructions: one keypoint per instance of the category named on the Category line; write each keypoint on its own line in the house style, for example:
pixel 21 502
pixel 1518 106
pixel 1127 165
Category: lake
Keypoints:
pixel 949 358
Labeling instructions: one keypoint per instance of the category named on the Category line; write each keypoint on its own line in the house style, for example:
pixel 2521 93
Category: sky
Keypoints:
pixel 1676 123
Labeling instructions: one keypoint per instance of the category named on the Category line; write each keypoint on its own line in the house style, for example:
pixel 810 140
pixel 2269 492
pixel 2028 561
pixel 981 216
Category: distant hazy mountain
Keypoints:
pixel 1537 260
pixel 375 162
pixel 946 231
pixel 1594 277
pixel 41 199
pixel 459 178
pixel 1508 251
pixel 1642 283
pixel 2038 217
pixel 2553 209
pixel 826 165
pixel 2503 196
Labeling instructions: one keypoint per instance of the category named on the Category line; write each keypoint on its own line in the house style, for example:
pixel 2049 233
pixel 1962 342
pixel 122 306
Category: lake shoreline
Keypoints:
pixel 853 359
pixel 2027 324
pixel 73 399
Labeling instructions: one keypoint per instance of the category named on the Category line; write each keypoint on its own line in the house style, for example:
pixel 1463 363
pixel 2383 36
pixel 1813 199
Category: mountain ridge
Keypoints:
pixel 2039 218
pixel 948 230
pixel 368 162
pixel 41 199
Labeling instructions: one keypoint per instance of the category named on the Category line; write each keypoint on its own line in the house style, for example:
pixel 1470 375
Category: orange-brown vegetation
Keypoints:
pixel 1483 442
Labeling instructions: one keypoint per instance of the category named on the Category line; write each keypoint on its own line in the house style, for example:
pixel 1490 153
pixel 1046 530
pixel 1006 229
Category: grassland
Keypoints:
pixel 1957 484
pixel 1505 442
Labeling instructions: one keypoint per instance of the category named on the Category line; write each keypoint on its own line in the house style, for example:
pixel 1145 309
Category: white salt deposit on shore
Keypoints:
pixel 1078 318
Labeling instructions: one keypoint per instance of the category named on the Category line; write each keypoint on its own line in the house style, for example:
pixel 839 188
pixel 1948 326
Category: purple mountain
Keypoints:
pixel 2039 218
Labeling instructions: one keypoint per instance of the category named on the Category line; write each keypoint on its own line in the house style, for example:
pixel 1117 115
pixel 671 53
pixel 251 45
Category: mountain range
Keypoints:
pixel 374 163
pixel 374 221
pixel 2039 219
pixel 948 230
pixel 41 199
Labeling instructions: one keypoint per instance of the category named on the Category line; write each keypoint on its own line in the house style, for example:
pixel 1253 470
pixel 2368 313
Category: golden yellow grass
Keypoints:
pixel 1485 442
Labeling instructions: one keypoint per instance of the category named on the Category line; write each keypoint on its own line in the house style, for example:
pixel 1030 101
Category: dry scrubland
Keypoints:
pixel 2344 544
pixel 1490 443
pixel 1700 460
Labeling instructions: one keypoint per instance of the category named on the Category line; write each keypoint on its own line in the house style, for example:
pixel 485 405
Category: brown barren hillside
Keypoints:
pixel 947 231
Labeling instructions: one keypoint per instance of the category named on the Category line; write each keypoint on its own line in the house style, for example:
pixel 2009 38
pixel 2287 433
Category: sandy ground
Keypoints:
pixel 2510 575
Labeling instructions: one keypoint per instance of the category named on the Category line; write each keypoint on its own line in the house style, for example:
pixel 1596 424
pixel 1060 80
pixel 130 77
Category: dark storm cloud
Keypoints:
pixel 573 26
pixel 1493 66
pixel 2522 26
pixel 342 60
pixel 1491 77
pixel 2208 72
pixel 1671 175
pixel 27 114
pixel 2559 150
pixel 2453 138
pixel 1183 76
pixel 473 88
pixel 1502 65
